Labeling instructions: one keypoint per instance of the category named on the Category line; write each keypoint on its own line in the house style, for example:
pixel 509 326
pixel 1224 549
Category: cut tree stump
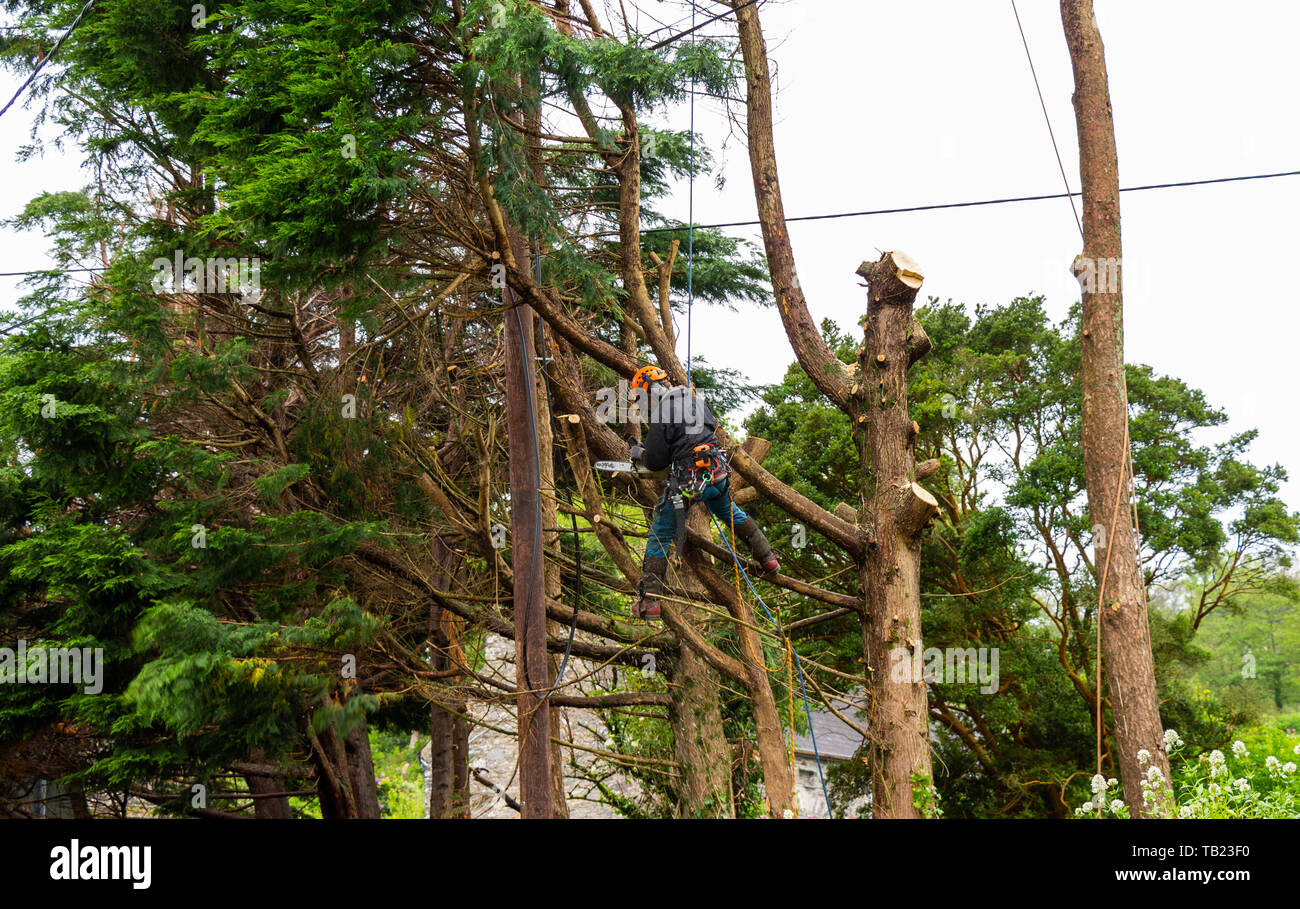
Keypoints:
pixel 898 510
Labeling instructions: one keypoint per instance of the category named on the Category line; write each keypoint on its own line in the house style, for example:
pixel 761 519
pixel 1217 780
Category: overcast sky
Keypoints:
pixel 884 105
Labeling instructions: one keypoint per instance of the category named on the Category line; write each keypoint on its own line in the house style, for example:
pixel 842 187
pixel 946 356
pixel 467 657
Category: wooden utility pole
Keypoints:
pixel 532 675
pixel 896 511
pixel 1125 633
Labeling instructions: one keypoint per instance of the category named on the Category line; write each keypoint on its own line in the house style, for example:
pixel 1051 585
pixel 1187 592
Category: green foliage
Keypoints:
pixel 179 486
pixel 1008 564
pixel 1253 647
pixel 1256 778
pixel 397 774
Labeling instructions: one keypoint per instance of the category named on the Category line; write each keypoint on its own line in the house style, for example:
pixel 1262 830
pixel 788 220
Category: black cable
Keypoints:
pixel 846 214
pixel 1043 104
pixel 911 208
pixel 22 88
pixel 56 271
pixel 694 28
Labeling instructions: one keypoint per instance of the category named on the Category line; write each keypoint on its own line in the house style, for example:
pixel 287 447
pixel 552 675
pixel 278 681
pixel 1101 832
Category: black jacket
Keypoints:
pixel 678 422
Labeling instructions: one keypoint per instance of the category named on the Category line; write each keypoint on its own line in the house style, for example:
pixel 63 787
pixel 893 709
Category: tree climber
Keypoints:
pixel 681 439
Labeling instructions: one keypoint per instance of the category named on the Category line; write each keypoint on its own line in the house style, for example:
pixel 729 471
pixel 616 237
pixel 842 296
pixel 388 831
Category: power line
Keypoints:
pixel 843 214
pixel 42 271
pixel 694 28
pixel 1043 104
pixel 663 26
pixel 944 205
pixel 30 79
pixel 5 329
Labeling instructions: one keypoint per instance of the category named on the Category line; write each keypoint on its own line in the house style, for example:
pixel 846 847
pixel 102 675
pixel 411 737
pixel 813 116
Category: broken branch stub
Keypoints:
pixel 917 507
pixel 895 278
pixel 927 469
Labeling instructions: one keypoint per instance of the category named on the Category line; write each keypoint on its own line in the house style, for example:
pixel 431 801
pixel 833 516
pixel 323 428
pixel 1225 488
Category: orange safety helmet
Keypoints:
pixel 644 376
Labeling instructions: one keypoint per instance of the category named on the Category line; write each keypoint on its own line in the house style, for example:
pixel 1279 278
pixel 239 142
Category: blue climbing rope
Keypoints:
pixel 803 689
pixel 690 222
pixel 690 300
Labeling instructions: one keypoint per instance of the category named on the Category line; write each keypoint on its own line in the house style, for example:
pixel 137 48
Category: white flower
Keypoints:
pixel 1217 763
pixel 1116 806
pixel 1172 739
pixel 1288 767
pixel 1154 774
pixel 1099 783
pixel 1112 782
pixel 1144 756
pixel 1086 807
pixel 1185 811
pixel 787 814
pixel 1215 790
pixel 1296 750
pixel 1272 763
pixel 1239 749
pixel 1242 785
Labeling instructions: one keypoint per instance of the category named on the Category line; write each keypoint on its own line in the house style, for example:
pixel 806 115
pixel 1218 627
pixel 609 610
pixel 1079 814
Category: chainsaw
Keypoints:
pixel 636 469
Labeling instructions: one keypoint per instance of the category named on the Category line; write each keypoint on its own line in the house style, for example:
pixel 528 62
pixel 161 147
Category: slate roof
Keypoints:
pixel 836 740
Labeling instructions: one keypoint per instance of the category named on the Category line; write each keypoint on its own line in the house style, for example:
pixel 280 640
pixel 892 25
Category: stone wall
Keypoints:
pixel 494 753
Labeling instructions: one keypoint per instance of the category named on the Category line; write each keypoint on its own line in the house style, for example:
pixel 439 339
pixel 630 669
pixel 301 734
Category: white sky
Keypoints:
pixel 886 105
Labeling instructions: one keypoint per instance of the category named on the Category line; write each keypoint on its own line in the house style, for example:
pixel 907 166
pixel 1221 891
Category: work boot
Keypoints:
pixel 651 587
pixel 752 534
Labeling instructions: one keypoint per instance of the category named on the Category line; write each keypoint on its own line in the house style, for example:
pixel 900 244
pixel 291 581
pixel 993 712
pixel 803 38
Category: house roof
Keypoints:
pixel 836 739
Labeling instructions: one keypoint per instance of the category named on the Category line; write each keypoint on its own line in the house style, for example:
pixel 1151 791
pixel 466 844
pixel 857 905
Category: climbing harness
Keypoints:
pixel 706 466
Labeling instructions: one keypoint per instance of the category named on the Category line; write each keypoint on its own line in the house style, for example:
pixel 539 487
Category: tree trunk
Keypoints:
pixel 1124 630
pixel 895 511
pixel 529 596
pixel 345 774
pixel 460 766
pixel 699 742
pixel 269 806
pixel 448 750
pixel 361 770
pixel 441 744
pixel 448 793
pixel 754 677
pixel 822 366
